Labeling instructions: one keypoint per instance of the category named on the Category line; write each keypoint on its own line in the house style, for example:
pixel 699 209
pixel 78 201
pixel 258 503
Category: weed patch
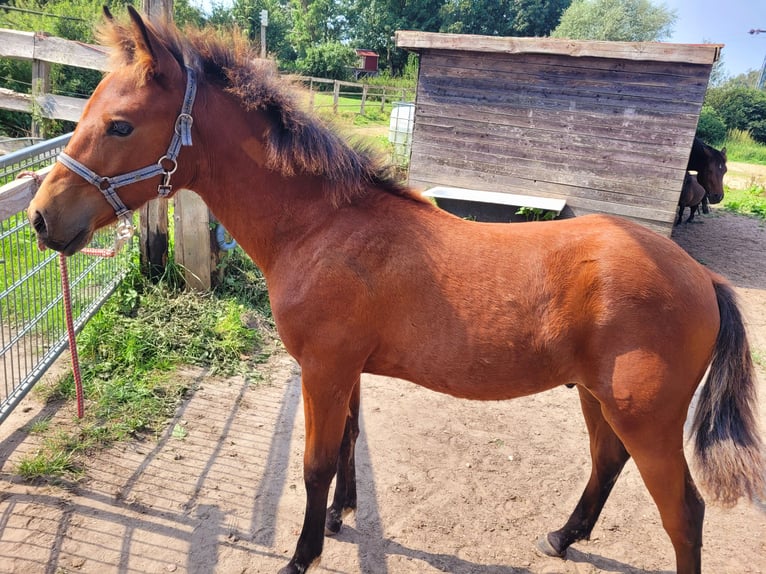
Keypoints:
pixel 129 352
pixel 751 201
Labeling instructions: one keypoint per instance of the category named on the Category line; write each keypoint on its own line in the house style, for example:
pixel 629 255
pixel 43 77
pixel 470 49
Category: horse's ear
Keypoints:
pixel 108 14
pixel 723 153
pixel 150 49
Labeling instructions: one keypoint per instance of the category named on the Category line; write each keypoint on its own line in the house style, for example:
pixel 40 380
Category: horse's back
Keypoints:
pixel 692 192
pixel 519 307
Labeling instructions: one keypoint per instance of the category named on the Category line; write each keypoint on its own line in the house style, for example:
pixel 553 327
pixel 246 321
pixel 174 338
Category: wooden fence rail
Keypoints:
pixel 363 93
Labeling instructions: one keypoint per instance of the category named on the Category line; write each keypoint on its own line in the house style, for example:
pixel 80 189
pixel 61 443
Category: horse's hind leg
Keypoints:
pixel 608 457
pixel 659 456
pixel 344 500
pixel 680 214
pixel 693 210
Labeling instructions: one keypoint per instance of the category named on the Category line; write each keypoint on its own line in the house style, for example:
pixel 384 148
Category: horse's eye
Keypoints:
pixel 118 128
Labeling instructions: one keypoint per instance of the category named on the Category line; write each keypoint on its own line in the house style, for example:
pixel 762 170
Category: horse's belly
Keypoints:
pixel 477 379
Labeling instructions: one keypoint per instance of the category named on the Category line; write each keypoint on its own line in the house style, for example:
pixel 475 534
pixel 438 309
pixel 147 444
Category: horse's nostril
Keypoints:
pixel 38 222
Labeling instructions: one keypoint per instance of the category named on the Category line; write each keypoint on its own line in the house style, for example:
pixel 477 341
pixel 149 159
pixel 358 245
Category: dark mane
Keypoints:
pixel 297 141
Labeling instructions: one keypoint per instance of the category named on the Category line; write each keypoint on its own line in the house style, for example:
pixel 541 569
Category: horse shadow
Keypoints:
pixel 373 547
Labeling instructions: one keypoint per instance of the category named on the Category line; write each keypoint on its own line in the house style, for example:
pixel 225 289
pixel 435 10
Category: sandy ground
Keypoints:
pixel 444 485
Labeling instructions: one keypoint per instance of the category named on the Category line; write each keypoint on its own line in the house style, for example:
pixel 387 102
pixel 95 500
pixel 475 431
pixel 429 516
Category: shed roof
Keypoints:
pixel 366 53
pixel 656 51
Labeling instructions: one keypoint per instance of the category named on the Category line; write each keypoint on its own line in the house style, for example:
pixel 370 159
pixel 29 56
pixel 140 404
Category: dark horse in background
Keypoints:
pixel 692 194
pixel 710 165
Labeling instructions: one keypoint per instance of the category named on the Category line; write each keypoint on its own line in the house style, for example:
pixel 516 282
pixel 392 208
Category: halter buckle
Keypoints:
pixel 164 189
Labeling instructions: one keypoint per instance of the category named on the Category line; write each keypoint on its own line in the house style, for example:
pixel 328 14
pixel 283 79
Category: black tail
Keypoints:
pixel 728 449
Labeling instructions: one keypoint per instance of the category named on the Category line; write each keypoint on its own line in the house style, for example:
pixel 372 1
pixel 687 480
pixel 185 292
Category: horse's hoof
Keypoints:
pixel 332 523
pixel 293 568
pixel 332 528
pixel 544 546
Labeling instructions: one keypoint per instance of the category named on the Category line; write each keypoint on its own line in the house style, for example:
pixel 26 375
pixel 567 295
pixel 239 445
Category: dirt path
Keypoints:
pixel 445 485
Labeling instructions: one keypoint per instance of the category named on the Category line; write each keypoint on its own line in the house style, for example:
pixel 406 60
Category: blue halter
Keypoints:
pixel 165 166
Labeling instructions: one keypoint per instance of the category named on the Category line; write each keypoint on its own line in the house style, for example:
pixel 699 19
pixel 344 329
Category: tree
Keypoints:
pixel 740 108
pixel 318 22
pixel 247 15
pixel 329 60
pixel 710 127
pixel 618 20
pixel 375 21
pixel 502 18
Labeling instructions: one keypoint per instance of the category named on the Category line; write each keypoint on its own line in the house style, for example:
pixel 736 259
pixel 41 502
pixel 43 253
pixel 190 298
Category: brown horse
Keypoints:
pixel 366 276
pixel 710 165
pixel 692 194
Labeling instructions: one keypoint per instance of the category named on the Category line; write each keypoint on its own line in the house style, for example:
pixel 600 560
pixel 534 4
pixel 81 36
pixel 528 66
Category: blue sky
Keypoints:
pixel 723 22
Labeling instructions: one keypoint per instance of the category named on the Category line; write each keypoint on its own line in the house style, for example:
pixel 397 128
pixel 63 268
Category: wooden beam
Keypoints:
pixel 36 46
pixel 16 195
pixel 51 106
pixel 656 51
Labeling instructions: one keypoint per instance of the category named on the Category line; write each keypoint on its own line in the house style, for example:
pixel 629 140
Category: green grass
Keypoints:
pixel 751 201
pixel 740 147
pixel 129 353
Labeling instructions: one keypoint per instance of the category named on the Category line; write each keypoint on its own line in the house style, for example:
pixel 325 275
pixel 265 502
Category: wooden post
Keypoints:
pixel 158 10
pixel 364 97
pixel 193 240
pixel 335 96
pixel 153 217
pixel 41 84
pixel 311 94
pixel 153 238
pixel 192 229
pixel 383 100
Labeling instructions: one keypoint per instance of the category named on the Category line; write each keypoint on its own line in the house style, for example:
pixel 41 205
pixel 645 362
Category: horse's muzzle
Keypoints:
pixel 717 198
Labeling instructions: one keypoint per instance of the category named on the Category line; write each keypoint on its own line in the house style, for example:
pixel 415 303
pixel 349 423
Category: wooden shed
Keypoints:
pixel 606 126
pixel 367 65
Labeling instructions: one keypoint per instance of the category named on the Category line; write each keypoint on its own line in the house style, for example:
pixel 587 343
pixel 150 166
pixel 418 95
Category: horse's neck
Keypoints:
pixel 262 209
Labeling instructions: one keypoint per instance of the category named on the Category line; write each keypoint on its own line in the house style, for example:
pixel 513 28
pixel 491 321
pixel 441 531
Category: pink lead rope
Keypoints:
pixel 70 321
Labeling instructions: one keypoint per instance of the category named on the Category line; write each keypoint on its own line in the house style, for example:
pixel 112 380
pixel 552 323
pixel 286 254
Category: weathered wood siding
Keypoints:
pixel 608 134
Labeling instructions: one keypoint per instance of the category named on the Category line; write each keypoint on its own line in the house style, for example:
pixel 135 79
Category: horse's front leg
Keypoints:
pixel 344 501
pixel 326 399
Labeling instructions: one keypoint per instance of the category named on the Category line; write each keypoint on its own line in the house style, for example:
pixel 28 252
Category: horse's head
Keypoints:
pixel 126 130
pixel 711 173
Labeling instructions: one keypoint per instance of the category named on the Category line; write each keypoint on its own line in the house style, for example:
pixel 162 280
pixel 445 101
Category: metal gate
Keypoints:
pixel 32 323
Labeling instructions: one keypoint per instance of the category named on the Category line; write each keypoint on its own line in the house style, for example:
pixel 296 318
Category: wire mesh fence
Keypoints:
pixel 32 321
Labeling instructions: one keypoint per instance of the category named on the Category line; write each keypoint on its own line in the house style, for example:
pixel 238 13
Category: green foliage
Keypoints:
pixel 536 214
pixel 247 16
pixel 758 131
pixel 374 23
pixel 738 107
pixel 710 127
pixel 616 20
pixel 331 60
pixel 502 18
pixel 315 23
pixel 750 201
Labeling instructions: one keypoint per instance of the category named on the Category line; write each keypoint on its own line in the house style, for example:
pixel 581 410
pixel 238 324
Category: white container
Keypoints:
pixel 400 124
pixel 400 132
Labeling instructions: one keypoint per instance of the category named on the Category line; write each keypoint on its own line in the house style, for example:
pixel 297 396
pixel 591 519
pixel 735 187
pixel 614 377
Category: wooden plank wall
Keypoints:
pixel 608 135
